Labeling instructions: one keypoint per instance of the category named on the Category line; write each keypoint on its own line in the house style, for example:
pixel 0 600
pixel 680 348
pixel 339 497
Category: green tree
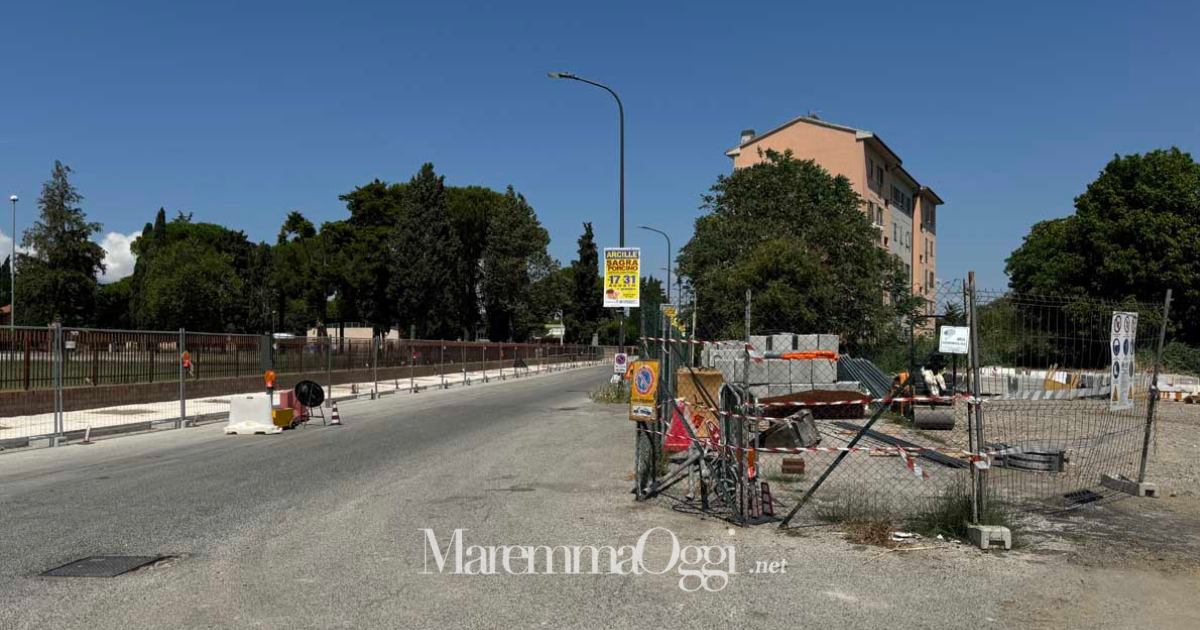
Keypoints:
pixel 358 256
pixel 56 279
pixel 424 259
pixel 470 208
pixel 514 241
pixel 1134 234
pixel 795 236
pixel 113 303
pixel 298 276
pixel 586 309
pixel 199 276
pixel 6 280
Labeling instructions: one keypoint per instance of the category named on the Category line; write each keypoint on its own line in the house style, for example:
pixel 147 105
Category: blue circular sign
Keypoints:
pixel 643 379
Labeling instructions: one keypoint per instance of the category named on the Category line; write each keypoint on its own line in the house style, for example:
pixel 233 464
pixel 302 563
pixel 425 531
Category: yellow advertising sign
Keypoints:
pixel 622 276
pixel 643 391
pixel 671 313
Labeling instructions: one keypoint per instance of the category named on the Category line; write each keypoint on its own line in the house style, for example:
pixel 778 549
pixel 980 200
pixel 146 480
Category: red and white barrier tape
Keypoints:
pixel 906 452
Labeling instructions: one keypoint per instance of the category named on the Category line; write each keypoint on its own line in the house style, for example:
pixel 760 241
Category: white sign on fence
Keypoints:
pixel 954 340
pixel 620 361
pixel 1122 339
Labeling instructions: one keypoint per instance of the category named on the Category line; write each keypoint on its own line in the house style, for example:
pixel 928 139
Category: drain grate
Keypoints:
pixel 102 566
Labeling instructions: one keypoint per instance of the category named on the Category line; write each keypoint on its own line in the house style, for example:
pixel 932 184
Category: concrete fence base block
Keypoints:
pixel 1129 486
pixel 990 536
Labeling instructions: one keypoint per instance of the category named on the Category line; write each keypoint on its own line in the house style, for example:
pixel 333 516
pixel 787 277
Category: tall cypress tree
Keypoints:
pixel 57 277
pixel 588 305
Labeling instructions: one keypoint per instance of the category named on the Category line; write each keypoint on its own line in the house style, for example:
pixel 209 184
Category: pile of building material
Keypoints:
pixel 778 377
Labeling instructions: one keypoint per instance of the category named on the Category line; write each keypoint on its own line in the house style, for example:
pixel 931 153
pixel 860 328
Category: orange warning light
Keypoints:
pixel 269 378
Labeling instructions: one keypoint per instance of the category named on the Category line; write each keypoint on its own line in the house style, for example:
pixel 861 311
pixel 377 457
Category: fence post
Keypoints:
pixel 736 427
pixel 485 365
pixel 182 421
pixel 329 369
pixel 56 360
pixel 979 483
pixel 376 341
pixel 412 367
pixel 442 362
pixel 463 354
pixel 1162 338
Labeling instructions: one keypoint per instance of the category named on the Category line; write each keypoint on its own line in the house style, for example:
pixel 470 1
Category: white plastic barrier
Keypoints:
pixel 250 414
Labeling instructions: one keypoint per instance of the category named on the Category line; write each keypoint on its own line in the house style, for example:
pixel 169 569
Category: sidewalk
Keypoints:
pixel 18 431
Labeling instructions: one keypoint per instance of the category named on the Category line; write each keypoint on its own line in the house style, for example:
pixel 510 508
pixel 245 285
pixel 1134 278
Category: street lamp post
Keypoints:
pixel 12 274
pixel 621 115
pixel 669 250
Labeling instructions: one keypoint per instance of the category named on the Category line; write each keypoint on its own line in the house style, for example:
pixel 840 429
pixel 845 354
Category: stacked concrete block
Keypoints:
pixel 778 377
pixel 780 342
pixel 819 371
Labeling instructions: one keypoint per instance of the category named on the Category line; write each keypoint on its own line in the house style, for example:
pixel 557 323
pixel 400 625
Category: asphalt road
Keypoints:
pixel 323 528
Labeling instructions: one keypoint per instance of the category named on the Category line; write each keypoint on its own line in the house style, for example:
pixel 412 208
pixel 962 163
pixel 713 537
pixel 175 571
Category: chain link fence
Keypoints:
pixel 59 383
pixel 971 404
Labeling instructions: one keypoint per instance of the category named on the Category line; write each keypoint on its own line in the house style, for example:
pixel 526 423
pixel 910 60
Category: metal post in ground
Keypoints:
pixel 329 368
pixel 412 368
pixel 182 421
pixel 743 481
pixel 442 363
pixel 463 354
pixel 979 483
pixel 56 358
pixel 377 341
pixel 1162 338
pixel 485 366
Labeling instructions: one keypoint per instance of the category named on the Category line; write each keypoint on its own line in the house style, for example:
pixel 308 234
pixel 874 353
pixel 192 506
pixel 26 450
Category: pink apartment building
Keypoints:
pixel 903 211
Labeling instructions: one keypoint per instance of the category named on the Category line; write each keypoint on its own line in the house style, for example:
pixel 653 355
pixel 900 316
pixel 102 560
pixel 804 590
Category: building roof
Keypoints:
pixel 862 135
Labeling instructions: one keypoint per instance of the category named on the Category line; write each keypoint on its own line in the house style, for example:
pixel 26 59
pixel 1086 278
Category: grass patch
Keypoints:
pixel 611 393
pixel 950 514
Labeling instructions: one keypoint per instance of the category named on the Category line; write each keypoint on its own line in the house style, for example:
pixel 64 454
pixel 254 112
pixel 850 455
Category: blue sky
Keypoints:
pixel 241 111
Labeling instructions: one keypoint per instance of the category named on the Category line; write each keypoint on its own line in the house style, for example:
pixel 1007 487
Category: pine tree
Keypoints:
pixel 424 258
pixel 57 277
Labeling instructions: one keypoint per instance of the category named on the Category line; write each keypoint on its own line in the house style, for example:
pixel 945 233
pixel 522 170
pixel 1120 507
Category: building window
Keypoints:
pixel 879 177
pixel 879 216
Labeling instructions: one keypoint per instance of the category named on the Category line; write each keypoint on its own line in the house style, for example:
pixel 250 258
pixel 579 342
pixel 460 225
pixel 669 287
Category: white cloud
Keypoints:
pixel 6 246
pixel 118 260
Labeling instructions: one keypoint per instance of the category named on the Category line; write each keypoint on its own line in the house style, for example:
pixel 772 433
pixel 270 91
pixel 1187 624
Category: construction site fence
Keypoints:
pixel 1047 406
pixel 59 383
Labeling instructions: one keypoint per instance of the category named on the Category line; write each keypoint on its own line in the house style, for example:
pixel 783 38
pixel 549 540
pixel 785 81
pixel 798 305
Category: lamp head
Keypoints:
pixel 13 198
pixel 560 75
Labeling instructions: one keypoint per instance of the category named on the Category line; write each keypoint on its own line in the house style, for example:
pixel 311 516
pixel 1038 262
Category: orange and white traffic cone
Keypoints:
pixel 337 417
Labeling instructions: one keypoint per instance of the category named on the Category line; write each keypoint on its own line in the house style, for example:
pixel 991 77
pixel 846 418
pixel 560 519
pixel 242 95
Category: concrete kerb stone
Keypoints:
pixel 990 536
pixel 1129 486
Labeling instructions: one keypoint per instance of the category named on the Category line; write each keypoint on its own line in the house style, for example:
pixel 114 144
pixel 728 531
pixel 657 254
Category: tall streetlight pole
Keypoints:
pixel 621 114
pixel 669 250
pixel 12 275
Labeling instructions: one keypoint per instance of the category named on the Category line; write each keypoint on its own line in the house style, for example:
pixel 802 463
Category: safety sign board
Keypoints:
pixel 643 391
pixel 954 340
pixel 622 276
pixel 1122 339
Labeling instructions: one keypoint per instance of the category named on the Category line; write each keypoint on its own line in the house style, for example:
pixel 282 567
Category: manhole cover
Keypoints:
pixel 101 566
pixel 567 408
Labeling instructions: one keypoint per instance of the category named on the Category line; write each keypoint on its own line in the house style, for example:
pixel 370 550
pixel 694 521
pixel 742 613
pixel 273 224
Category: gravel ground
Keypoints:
pixel 321 528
